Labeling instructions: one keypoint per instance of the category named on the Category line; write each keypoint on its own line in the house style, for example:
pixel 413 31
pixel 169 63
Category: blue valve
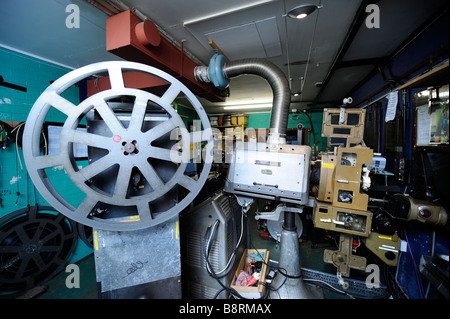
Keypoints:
pixel 215 71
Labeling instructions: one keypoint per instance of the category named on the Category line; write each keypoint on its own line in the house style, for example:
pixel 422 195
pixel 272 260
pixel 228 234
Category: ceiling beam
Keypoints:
pixel 414 35
pixel 361 62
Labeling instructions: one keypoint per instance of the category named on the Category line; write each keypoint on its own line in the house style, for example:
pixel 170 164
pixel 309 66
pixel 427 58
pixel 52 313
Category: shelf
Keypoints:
pixel 436 76
pixel 226 126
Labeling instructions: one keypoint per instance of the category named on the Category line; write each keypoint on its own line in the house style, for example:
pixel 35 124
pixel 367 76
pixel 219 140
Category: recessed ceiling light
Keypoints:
pixel 302 11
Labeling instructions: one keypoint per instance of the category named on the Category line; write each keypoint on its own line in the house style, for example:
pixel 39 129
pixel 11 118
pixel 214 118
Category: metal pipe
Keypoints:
pixel 280 88
pixel 289 221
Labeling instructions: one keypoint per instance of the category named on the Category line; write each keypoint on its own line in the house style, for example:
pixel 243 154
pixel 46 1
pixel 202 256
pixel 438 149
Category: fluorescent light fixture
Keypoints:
pixel 227 11
pixel 247 106
pixel 302 11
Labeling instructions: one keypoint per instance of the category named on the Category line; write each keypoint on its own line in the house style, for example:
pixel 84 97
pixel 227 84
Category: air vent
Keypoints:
pixel 194 244
pixel 199 291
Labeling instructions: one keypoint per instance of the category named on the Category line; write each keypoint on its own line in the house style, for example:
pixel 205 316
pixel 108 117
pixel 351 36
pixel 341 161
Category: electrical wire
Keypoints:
pixel 18 127
pixel 225 271
pixel 284 281
pixel 312 127
pixel 218 293
pixel 416 271
pixel 272 268
pixel 212 273
pixel 325 284
pixel 309 53
pixel 216 224
pixel 206 247
pixel 287 45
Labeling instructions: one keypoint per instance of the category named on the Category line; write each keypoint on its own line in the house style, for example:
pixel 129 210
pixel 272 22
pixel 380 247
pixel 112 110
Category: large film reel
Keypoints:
pixel 130 147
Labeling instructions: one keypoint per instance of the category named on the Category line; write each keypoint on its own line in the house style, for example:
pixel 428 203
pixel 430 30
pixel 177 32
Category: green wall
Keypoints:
pixel 16 189
pixel 187 114
pixel 262 120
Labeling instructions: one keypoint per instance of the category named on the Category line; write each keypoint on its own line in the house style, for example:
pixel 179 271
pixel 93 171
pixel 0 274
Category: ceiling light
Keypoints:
pixel 302 11
pixel 247 106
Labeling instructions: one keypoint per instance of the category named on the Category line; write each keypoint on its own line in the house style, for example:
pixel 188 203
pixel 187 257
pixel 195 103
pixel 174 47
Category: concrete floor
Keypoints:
pixel 57 288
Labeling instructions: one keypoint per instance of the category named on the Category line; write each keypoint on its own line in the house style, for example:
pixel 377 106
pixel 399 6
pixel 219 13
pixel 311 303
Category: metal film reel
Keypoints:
pixel 35 244
pixel 128 145
pixel 86 234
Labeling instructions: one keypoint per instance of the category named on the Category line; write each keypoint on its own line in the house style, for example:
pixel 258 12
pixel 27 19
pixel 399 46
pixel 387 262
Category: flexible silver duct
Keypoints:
pixel 255 66
pixel 278 83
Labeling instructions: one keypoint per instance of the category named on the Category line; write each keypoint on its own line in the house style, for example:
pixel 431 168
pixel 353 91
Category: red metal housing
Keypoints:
pixel 132 39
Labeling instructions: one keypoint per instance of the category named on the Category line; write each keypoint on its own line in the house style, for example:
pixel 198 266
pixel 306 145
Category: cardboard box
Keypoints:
pixel 252 292
pixel 239 119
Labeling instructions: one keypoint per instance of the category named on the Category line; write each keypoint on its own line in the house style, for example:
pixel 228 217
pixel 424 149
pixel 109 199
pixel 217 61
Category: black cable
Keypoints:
pixel 210 270
pixel 209 247
pixel 312 127
pixel 279 270
pixel 235 247
pixel 213 274
pixel 218 293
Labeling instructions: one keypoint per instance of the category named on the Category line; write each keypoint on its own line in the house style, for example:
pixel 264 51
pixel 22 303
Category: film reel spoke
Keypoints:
pixel 151 176
pixel 160 130
pixel 94 168
pixel 163 154
pixel 108 116
pixel 188 183
pixel 85 208
pixel 47 161
pixel 144 212
pixel 171 94
pixel 89 139
pixel 116 76
pixel 60 103
pixel 138 114
pixel 122 181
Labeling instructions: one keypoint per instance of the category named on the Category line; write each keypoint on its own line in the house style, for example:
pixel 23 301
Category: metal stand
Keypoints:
pixel 289 263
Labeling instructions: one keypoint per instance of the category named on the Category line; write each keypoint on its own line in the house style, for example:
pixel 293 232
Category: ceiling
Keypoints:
pixel 325 55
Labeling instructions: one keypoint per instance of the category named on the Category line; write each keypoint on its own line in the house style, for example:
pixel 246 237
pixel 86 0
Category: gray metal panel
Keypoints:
pixel 261 171
pixel 131 258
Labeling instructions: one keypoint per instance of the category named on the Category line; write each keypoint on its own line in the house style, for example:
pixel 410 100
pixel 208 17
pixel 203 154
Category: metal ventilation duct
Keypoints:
pixel 219 73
